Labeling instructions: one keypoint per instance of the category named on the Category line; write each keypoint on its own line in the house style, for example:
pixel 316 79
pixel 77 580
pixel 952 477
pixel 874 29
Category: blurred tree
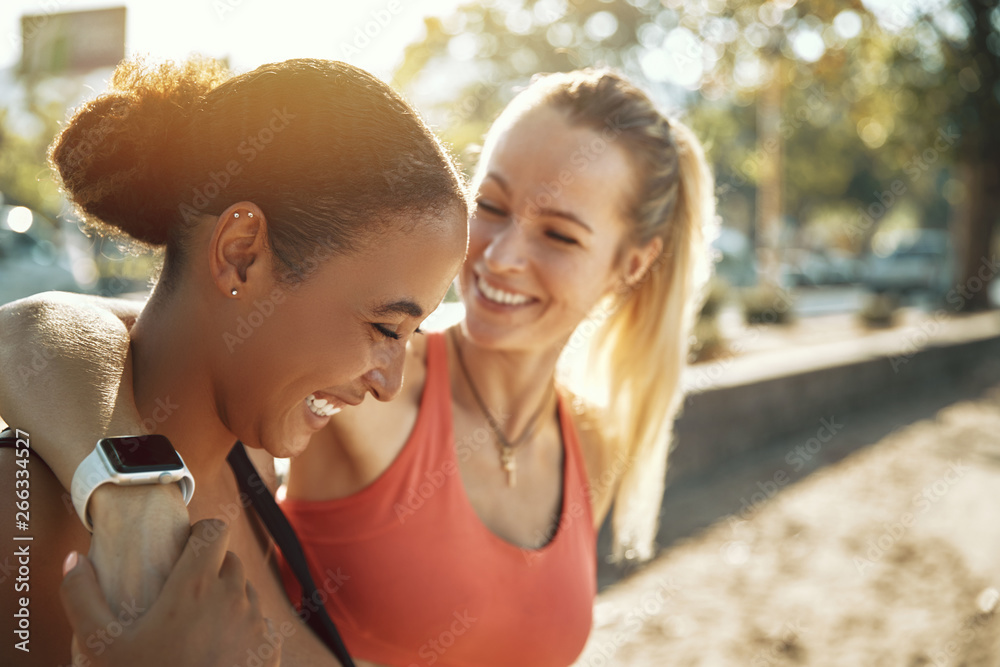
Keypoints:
pixel 24 175
pixel 879 102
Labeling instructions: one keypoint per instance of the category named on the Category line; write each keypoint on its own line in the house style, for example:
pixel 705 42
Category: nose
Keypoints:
pixel 505 251
pixel 385 379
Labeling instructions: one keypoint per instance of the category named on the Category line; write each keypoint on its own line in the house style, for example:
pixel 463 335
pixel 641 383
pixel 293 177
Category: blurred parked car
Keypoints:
pixel 33 258
pixel 911 261
pixel 820 267
pixel 734 258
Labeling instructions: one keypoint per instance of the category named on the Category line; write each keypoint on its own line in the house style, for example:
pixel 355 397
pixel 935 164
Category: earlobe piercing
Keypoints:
pixel 233 292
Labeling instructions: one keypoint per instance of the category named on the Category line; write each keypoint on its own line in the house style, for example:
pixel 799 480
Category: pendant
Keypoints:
pixel 509 464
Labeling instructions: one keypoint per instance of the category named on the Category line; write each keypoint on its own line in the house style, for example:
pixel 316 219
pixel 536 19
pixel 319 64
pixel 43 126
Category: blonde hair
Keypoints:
pixel 639 338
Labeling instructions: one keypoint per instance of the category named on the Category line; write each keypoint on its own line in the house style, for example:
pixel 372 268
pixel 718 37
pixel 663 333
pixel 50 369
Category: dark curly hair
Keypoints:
pixel 329 153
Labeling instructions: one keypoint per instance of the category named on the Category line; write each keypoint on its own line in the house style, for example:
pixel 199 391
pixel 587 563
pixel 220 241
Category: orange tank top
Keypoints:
pixel 412 576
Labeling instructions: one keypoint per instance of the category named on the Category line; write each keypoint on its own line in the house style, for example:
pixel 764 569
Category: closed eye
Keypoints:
pixel 389 333
pixel 561 238
pixel 385 331
pixel 489 208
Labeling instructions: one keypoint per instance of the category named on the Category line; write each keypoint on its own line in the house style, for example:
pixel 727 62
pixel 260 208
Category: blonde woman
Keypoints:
pixel 456 524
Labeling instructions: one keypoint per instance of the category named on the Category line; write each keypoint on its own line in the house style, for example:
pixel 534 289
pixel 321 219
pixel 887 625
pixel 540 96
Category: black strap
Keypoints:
pixel 284 536
pixel 8 439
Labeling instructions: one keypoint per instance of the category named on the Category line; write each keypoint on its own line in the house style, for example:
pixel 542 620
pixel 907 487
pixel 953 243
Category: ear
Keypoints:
pixel 238 255
pixel 638 260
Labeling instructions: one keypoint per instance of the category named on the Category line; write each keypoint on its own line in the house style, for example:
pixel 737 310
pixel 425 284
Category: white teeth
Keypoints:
pixel 321 407
pixel 500 296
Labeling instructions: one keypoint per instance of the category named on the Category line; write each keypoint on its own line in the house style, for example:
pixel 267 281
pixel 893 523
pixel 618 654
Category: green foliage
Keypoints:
pixel 24 174
pixel 859 113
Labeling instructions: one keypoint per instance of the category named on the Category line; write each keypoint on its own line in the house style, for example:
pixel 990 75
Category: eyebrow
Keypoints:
pixel 547 212
pixel 401 306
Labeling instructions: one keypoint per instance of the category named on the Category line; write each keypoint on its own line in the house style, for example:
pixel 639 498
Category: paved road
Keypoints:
pixel 882 549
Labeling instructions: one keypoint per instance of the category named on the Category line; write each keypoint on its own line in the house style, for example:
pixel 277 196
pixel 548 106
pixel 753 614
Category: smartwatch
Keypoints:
pixel 126 461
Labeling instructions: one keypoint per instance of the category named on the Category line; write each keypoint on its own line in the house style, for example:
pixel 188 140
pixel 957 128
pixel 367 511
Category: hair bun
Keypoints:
pixel 118 156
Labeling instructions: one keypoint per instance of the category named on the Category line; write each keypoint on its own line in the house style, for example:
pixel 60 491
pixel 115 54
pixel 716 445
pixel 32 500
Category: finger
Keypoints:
pixel 232 572
pixel 274 638
pixel 252 596
pixel 82 598
pixel 204 552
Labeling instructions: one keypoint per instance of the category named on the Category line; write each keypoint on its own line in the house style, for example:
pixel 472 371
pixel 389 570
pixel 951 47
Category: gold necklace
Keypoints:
pixel 507 461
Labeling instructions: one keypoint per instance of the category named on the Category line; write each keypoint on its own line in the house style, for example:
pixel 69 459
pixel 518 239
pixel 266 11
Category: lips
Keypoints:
pixel 500 296
pixel 323 405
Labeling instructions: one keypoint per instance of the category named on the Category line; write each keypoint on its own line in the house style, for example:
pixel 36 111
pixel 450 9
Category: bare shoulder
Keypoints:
pixel 599 456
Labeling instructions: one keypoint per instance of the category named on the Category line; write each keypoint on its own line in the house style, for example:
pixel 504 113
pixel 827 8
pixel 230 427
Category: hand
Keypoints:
pixel 208 614
pixel 139 534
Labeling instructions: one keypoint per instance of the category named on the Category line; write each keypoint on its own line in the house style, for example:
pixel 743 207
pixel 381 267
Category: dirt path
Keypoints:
pixel 888 557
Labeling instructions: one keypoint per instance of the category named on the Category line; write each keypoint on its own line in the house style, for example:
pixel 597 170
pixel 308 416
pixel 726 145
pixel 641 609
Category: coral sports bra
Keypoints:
pixel 412 576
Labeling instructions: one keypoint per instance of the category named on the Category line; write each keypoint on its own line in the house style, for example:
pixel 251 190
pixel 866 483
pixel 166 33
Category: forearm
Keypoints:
pixel 62 362
pixel 65 378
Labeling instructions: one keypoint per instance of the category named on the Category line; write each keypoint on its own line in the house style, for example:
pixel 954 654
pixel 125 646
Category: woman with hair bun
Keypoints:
pixel 297 265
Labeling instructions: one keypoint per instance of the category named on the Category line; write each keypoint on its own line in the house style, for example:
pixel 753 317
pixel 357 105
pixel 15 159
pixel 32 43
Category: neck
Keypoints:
pixel 513 384
pixel 172 385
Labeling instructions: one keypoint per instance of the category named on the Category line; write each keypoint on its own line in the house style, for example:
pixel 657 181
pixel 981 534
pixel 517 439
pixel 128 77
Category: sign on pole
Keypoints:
pixel 71 42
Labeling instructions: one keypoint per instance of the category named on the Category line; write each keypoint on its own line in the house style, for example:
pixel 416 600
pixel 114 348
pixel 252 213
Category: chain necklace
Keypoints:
pixel 507 461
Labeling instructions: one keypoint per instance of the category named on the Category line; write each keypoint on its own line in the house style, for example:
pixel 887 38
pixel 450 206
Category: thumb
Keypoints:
pixel 82 598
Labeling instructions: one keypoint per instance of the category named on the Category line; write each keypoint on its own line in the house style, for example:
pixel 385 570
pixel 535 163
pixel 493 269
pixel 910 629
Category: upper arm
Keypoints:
pixel 31 570
pixel 64 350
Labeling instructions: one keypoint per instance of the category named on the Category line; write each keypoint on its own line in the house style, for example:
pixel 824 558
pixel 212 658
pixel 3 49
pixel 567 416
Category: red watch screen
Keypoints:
pixel 141 453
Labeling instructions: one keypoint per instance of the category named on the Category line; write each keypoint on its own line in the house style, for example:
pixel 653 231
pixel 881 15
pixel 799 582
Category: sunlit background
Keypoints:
pixel 855 149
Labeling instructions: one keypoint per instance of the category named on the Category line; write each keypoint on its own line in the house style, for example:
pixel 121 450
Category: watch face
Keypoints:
pixel 141 453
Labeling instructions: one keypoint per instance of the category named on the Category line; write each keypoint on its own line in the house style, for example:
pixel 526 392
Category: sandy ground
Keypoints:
pixel 887 556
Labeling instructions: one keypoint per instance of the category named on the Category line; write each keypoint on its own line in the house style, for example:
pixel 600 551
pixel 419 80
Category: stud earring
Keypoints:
pixel 249 215
pixel 236 215
pixel 233 292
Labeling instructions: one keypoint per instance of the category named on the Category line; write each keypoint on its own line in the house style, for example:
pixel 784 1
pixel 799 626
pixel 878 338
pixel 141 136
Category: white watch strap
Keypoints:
pixel 89 475
pixel 93 472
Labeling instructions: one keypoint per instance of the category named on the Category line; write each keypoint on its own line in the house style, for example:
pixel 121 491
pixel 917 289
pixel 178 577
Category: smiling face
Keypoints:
pixel 546 240
pixel 338 336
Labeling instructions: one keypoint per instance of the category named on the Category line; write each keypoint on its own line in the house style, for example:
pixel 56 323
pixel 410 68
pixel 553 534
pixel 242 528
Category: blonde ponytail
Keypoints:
pixel 641 352
pixel 636 342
